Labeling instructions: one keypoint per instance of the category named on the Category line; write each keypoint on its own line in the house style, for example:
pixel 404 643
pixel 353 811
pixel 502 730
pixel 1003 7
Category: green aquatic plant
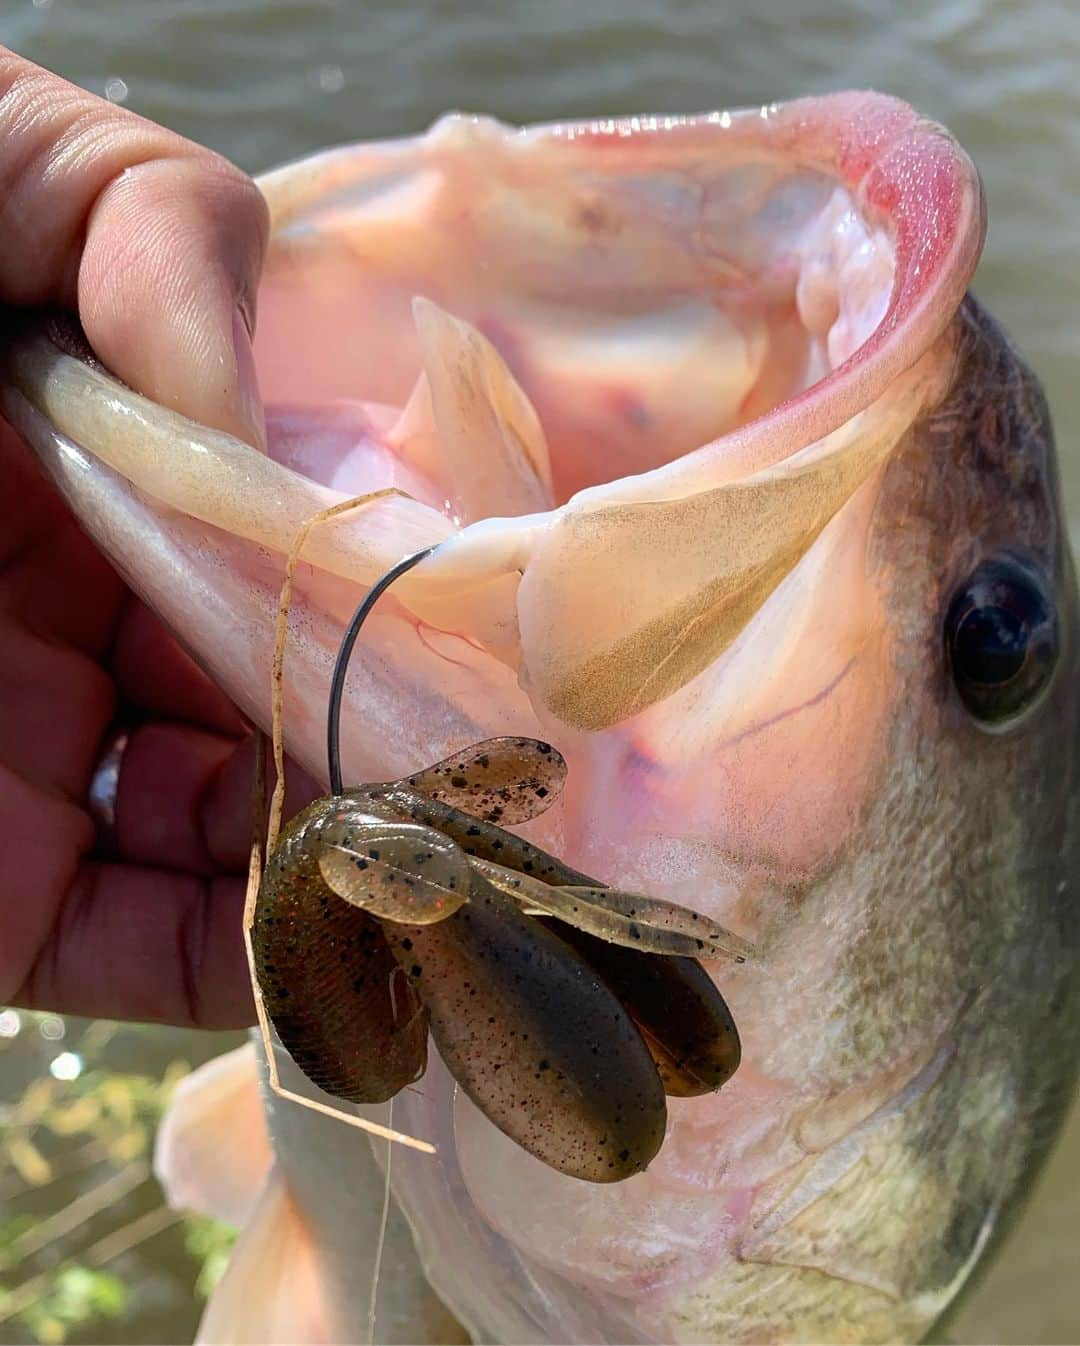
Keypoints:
pixel 85 1238
pixel 74 1297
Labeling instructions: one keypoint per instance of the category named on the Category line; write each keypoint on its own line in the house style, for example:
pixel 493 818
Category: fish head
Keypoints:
pixel 741 503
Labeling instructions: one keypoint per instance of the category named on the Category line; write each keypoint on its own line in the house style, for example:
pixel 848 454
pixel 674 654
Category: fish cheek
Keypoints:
pixel 334 992
pixel 536 1039
pixel 676 1006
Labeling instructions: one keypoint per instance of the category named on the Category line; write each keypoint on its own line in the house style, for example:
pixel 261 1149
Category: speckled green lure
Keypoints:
pixel 565 1009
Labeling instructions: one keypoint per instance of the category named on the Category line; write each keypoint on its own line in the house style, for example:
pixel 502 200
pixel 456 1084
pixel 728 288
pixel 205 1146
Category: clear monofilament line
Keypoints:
pixel 380 1246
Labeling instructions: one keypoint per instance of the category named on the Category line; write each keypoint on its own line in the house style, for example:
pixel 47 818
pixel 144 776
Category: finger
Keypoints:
pixel 114 940
pixel 44 836
pixel 147 944
pixel 185 799
pixel 118 941
pixel 55 705
pixel 157 242
pixel 227 812
pixel 154 674
pixel 165 774
pixel 41 548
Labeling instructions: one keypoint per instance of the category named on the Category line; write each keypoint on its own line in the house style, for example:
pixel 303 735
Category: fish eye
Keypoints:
pixel 1001 634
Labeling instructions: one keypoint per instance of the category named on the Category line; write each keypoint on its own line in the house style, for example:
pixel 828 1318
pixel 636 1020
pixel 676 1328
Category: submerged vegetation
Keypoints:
pixel 86 1241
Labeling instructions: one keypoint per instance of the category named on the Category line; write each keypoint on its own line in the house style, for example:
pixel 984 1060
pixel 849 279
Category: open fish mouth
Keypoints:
pixel 662 353
pixel 640 383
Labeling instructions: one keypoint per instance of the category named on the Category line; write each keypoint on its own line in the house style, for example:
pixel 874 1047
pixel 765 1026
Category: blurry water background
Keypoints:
pixel 267 80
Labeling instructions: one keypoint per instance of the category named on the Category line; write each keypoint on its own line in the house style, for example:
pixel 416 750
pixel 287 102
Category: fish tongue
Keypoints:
pixel 414 436
pixel 494 449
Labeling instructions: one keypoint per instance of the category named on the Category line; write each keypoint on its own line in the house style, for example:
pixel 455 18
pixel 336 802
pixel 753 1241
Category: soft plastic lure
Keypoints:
pixel 564 1008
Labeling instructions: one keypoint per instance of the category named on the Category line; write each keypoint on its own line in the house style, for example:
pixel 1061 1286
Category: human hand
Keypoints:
pixel 156 244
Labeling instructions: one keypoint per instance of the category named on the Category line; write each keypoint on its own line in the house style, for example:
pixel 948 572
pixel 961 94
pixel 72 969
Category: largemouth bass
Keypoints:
pixel 749 508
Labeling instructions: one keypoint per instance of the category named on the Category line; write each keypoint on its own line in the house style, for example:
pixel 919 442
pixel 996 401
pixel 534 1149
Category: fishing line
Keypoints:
pixel 337 681
pixel 384 1220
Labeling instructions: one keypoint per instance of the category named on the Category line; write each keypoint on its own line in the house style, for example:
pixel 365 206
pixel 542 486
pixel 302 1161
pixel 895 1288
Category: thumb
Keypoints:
pixel 155 241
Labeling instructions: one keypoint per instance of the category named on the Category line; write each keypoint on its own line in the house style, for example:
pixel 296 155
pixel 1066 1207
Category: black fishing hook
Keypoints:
pixel 341 665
